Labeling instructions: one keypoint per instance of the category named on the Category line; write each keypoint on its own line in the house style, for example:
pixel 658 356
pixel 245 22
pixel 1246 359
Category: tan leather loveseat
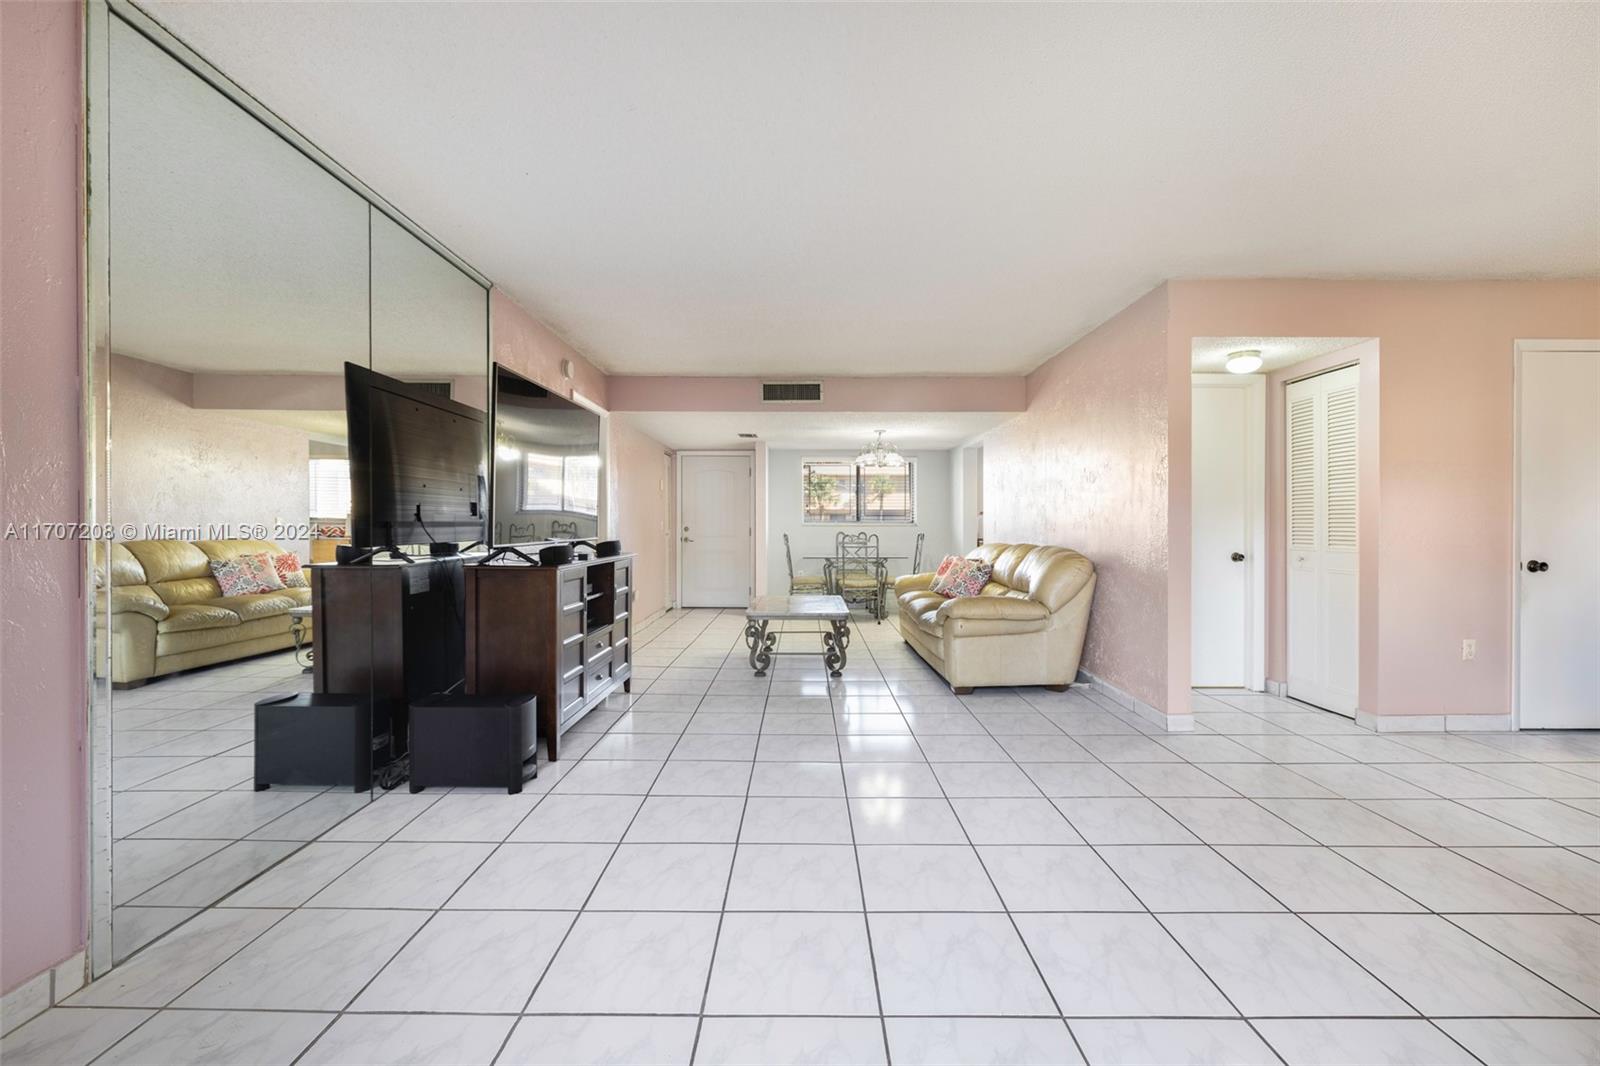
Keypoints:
pixel 168 613
pixel 1026 628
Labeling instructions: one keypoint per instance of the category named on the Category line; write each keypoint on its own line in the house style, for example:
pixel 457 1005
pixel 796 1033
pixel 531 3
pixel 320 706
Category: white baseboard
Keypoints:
pixel 1434 723
pixel 41 992
pixel 1170 723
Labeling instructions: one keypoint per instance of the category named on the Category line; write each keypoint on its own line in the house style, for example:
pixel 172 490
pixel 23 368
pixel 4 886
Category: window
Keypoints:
pixel 839 492
pixel 561 483
pixel 330 488
pixel 580 484
pixel 541 482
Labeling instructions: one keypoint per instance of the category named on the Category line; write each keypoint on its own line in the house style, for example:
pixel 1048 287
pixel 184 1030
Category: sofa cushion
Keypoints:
pixel 994 615
pixel 921 607
pixel 139 599
pixel 262 604
pixel 169 560
pixel 190 616
pixel 245 575
pixel 1051 575
pixel 125 568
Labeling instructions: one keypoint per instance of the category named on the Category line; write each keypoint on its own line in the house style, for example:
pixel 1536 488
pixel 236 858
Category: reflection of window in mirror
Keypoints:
pixel 330 490
pixel 541 482
pixel 580 484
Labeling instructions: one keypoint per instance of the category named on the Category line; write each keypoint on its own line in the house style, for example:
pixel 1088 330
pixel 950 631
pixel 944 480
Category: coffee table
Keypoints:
pixel 767 609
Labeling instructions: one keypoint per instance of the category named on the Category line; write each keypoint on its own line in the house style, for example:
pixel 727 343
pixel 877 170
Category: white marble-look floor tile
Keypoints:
pixel 1118 965
pixel 813 779
pixel 1168 877
pixel 1033 878
pixel 578 819
pixel 1563 949
pixel 554 876
pixel 884 820
pixel 1152 1041
pixel 382 818
pixel 1450 824
pixel 978 779
pixel 600 1040
pixel 776 964
pixel 1527 1041
pixel 664 877
pixel 697 777
pixel 1087 780
pixel 630 964
pixel 468 961
pixel 944 964
pixel 1312 879
pixel 1232 821
pixel 687 819
pixel 463 816
pixel 1379 1041
pixel 218 1038
pixel 795 820
pixel 892 780
pixel 156 975
pixel 1014 821
pixel 403 874
pixel 1445 882
pixel 1564 876
pixel 980 1042
pixel 1273 965
pixel 781 877
pixel 1555 822
pixel 1443 970
pixel 409 1040
pixel 300 876
pixel 1341 823
pixel 312 960
pixel 216 875
pixel 783 1041
pixel 922 877
pixel 68 1035
pixel 1124 821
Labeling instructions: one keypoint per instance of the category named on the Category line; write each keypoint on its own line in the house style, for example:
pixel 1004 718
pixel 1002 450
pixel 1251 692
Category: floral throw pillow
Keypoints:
pixel 289 570
pixel 244 575
pixel 964 578
pixel 944 566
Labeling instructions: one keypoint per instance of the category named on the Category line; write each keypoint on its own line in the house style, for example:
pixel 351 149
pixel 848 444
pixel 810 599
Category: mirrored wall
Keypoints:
pixel 245 273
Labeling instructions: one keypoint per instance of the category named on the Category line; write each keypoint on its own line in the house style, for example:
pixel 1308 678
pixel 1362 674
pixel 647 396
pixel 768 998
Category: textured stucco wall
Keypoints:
pixel 176 465
pixel 641 512
pixel 43 817
pixel 527 346
pixel 1445 435
pixel 1086 467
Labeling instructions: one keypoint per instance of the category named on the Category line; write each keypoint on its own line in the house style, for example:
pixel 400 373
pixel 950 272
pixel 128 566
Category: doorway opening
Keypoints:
pixel 716 528
pixel 1278 471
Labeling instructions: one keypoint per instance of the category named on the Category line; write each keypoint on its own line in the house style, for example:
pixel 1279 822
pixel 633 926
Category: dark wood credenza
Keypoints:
pixel 563 633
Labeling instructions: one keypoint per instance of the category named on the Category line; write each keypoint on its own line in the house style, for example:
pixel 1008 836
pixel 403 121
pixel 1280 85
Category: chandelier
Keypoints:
pixel 880 453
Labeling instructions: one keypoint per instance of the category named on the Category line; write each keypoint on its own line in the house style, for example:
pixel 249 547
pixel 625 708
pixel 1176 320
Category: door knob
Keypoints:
pixel 688 540
pixel 1536 567
pixel 1237 557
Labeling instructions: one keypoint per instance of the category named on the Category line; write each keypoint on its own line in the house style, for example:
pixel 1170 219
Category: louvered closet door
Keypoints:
pixel 1323 493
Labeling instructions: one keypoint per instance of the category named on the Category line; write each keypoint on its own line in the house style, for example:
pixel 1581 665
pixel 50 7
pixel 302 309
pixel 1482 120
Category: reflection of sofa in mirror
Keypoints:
pixel 168 613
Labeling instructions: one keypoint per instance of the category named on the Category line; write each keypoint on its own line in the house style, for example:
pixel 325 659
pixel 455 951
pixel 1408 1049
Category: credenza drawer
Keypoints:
pixel 570 598
pixel 597 645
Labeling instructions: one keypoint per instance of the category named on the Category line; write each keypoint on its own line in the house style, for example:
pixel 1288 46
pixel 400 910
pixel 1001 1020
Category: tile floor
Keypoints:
pixel 745 870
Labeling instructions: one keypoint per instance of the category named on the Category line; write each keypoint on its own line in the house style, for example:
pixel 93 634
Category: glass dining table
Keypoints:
pixel 835 571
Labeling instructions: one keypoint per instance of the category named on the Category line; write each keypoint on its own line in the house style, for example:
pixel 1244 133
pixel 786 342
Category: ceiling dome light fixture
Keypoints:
pixel 880 453
pixel 1245 362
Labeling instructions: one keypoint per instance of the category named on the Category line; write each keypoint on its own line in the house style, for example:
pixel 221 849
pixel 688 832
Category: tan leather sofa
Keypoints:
pixel 167 612
pixel 1026 628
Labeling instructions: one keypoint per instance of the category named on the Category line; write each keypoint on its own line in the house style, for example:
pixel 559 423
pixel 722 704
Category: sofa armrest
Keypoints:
pixel 138 599
pixel 912 582
pixel 994 608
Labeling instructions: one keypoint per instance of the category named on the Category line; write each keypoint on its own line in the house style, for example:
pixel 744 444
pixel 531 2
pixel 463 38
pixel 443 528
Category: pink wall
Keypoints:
pixel 178 466
pixel 1444 524
pixel 531 348
pixel 43 818
pixel 1086 467
pixel 641 496
pixel 838 394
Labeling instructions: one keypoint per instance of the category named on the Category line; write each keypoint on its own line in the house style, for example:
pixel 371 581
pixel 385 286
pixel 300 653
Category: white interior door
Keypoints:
pixel 1558 531
pixel 715 532
pixel 1323 495
pixel 1227 491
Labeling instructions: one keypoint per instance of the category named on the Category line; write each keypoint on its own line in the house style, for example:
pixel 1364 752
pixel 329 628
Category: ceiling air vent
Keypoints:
pixel 791 392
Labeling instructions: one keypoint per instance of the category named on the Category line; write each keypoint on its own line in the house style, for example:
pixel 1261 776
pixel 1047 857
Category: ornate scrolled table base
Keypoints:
pixel 831 611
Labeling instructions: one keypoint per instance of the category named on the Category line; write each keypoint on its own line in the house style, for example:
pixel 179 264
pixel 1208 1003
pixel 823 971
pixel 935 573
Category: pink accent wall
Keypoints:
pixel 178 466
pixel 1443 527
pixel 1086 467
pixel 529 347
pixel 838 394
pixel 43 765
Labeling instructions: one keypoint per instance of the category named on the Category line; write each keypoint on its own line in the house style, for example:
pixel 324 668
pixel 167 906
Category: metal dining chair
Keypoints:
pixel 858 572
pixel 916 554
pixel 801 584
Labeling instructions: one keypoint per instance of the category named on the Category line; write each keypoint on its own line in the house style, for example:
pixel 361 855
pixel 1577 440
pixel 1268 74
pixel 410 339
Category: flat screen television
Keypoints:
pixel 547 480
pixel 418 464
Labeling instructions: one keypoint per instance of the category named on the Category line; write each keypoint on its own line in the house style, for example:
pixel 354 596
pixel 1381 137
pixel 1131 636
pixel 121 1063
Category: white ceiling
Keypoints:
pixel 1210 354
pixel 818 429
pixel 935 188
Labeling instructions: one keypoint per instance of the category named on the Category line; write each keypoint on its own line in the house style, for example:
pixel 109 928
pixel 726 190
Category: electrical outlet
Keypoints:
pixel 1469 650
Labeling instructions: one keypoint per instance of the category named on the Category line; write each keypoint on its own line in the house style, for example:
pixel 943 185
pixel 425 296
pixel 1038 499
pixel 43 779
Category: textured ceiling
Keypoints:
pixel 812 429
pixel 911 188
pixel 1210 354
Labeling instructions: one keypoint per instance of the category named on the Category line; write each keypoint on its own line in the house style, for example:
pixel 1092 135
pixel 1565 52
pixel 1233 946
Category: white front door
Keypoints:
pixel 714 529
pixel 1226 493
pixel 1323 495
pixel 1558 575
